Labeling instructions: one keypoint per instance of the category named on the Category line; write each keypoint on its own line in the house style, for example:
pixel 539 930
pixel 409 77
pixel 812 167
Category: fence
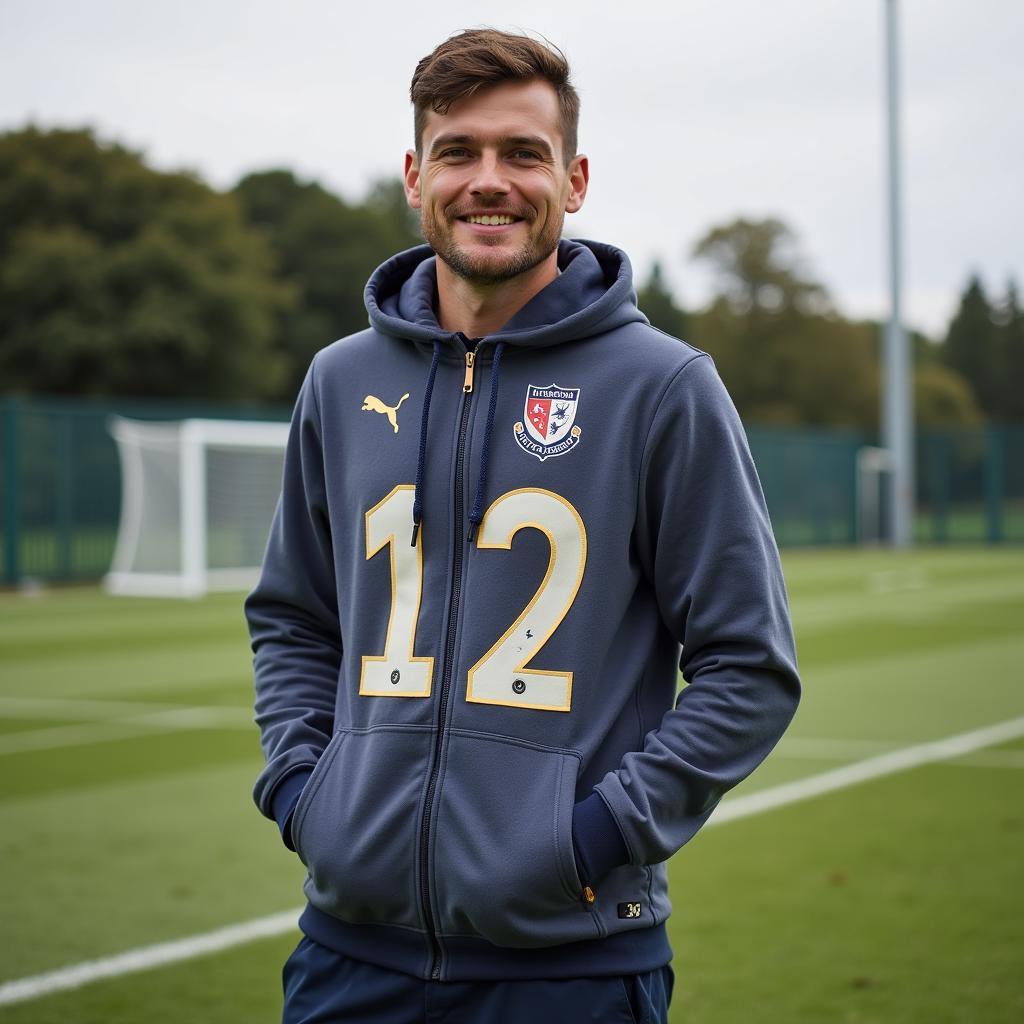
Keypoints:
pixel 60 488
pixel 60 481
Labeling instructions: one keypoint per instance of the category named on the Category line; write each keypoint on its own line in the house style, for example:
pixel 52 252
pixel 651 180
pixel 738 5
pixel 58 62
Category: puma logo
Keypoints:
pixel 373 404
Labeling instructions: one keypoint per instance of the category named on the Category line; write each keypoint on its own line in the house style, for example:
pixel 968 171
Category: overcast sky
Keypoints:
pixel 694 112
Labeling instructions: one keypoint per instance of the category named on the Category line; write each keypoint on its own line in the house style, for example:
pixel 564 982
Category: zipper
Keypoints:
pixel 446 676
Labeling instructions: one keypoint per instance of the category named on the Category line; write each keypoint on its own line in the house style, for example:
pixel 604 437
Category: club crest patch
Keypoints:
pixel 548 427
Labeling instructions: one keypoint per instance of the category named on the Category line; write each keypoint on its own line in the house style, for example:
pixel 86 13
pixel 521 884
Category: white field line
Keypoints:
pixel 127 727
pixel 891 602
pixel 991 759
pixel 164 953
pixel 863 771
pixel 808 748
pixel 78 709
pixel 889 581
pixel 146 957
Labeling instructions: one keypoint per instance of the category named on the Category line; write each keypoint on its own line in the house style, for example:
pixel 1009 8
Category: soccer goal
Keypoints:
pixel 197 499
pixel 874 477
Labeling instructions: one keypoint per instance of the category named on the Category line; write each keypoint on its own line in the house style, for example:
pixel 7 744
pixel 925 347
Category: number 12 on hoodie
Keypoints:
pixel 500 676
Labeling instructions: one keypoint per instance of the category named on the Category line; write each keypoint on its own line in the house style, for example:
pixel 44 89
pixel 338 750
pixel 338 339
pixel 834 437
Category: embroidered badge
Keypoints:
pixel 371 403
pixel 548 426
pixel 630 910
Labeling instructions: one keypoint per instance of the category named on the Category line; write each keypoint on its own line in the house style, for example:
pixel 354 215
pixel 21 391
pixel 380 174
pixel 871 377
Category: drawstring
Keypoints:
pixel 476 515
pixel 417 504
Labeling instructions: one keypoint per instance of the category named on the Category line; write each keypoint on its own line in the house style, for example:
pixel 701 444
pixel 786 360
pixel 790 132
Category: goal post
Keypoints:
pixel 874 479
pixel 197 499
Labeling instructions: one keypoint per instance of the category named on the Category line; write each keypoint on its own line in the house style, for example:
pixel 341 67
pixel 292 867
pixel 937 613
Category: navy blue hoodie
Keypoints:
pixel 488 566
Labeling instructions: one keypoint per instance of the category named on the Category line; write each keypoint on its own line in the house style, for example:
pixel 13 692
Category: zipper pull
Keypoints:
pixel 467 386
pixel 589 896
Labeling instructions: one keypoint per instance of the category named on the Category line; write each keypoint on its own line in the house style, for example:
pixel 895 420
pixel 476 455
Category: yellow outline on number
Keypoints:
pixel 541 641
pixel 390 541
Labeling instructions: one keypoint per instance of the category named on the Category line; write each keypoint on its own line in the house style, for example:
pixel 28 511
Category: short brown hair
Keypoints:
pixel 481 57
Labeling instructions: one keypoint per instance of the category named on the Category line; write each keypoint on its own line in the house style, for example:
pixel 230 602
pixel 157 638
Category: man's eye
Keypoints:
pixel 525 154
pixel 455 154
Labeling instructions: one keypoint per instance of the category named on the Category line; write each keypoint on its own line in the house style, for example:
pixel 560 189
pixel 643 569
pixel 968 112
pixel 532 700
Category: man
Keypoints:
pixel 506 505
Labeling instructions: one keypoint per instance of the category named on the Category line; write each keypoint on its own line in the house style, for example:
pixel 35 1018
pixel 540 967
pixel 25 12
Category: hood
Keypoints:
pixel 592 294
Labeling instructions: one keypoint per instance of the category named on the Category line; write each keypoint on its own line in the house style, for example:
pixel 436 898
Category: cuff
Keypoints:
pixel 596 839
pixel 286 796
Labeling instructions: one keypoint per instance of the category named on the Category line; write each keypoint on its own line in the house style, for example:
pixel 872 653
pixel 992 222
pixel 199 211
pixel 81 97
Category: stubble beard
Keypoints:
pixel 441 238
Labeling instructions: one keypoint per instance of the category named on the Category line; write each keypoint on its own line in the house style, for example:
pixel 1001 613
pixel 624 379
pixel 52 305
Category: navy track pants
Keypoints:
pixel 324 987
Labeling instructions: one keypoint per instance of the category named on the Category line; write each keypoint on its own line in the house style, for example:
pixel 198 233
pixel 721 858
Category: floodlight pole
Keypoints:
pixel 898 401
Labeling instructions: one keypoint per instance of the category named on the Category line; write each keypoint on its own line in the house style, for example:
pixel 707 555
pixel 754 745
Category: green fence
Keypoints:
pixel 810 483
pixel 60 488
pixel 971 485
pixel 60 481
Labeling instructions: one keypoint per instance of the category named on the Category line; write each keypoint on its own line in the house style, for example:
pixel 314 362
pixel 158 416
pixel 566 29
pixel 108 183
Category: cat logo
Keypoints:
pixel 371 403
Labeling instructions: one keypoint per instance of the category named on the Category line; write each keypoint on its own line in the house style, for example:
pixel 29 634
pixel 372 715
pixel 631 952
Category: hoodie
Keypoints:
pixel 489 564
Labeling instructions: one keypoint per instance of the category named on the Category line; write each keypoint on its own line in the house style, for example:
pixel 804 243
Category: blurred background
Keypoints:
pixel 192 197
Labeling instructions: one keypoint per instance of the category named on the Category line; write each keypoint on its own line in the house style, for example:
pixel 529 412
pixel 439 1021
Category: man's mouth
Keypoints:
pixel 493 218
pixel 490 219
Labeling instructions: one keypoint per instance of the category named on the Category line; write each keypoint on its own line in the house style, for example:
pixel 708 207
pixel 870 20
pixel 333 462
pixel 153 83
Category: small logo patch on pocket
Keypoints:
pixel 628 910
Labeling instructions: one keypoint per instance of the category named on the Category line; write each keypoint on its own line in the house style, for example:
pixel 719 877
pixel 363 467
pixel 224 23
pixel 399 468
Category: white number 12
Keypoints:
pixel 500 676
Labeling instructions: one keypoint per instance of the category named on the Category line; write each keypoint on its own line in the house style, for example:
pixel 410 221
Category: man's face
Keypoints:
pixel 495 156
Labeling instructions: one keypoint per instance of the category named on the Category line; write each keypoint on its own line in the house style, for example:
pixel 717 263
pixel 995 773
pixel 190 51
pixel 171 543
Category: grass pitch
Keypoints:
pixel 127 756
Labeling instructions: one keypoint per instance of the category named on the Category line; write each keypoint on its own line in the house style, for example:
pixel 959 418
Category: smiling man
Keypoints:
pixel 493 177
pixel 512 512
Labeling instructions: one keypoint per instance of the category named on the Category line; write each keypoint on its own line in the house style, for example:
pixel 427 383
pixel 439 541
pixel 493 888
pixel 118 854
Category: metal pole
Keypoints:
pixel 898 405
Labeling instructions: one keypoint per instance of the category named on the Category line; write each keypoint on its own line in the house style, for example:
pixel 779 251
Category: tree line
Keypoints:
pixel 119 279
pixel 789 358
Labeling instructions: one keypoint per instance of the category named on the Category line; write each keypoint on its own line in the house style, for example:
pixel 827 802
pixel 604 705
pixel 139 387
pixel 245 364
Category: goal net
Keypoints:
pixel 874 478
pixel 197 500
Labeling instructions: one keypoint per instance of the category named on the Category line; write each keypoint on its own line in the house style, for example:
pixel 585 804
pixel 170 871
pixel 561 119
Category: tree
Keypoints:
pixel 325 250
pixel 118 279
pixel 809 371
pixel 1009 318
pixel 972 346
pixel 943 398
pixel 758 269
pixel 786 358
pixel 658 304
pixel 386 198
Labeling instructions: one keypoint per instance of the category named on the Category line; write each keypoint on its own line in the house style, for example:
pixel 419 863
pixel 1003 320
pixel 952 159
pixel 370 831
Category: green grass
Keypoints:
pixel 894 901
pixel 898 900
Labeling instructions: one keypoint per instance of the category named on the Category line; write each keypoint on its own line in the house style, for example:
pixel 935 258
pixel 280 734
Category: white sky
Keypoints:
pixel 694 112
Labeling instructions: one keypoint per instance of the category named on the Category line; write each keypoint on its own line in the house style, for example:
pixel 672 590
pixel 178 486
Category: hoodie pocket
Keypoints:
pixel 504 867
pixel 356 824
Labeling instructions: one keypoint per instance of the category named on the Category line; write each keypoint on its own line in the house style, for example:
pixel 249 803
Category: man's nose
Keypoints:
pixel 489 177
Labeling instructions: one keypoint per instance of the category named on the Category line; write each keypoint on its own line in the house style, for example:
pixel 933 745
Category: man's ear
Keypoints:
pixel 579 178
pixel 412 179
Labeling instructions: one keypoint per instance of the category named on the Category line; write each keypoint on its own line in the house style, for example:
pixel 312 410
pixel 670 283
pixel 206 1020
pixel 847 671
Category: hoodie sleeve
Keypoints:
pixel 293 622
pixel 707 548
